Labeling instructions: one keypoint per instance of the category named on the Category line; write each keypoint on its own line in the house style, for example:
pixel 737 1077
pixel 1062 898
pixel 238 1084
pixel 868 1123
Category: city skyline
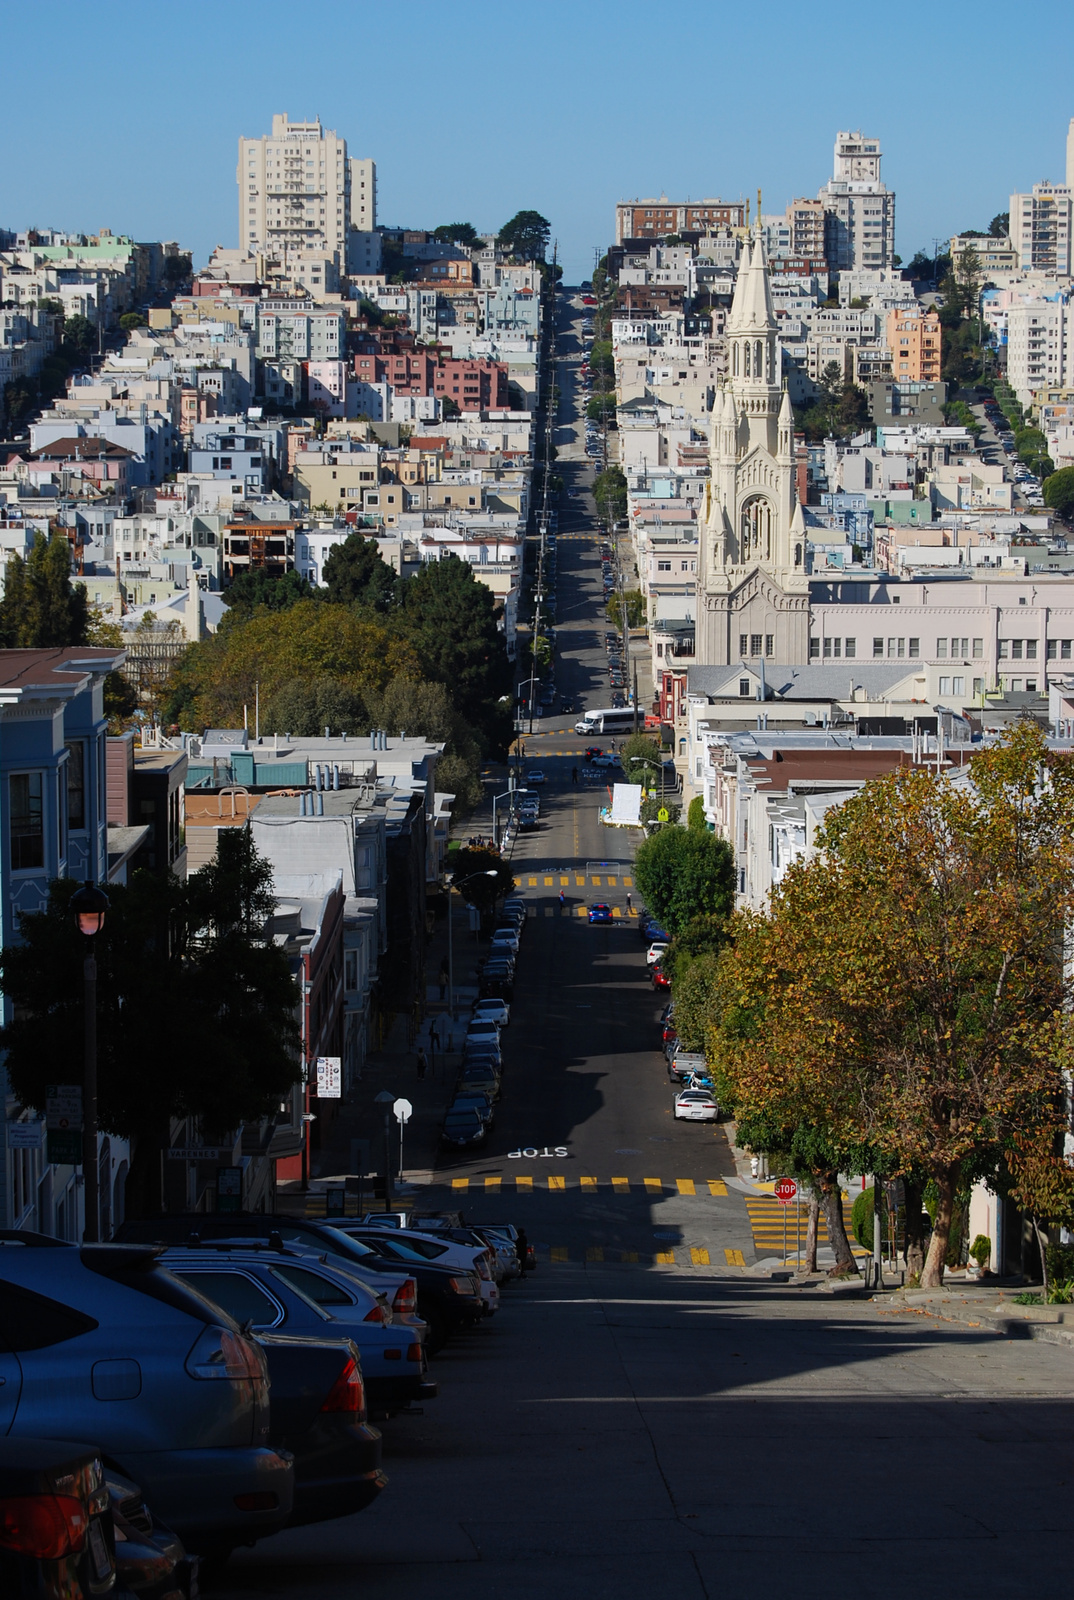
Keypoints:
pixel 164 165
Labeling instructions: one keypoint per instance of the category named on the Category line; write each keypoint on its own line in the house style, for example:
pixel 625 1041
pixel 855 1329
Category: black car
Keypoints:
pixel 446 1301
pixel 56 1534
pixel 462 1129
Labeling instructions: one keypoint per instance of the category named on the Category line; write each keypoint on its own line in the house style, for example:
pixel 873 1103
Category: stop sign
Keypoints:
pixel 785 1191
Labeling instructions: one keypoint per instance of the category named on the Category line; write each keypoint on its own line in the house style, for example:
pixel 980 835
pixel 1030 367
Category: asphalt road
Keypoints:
pixel 647 1414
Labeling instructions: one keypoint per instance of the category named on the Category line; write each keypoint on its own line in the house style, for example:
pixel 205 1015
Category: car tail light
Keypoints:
pixel 219 1353
pixel 374 1314
pixel 482 1269
pixel 457 1286
pixel 348 1391
pixel 405 1298
pixel 47 1527
pixel 393 1355
pixel 260 1500
pixel 415 1353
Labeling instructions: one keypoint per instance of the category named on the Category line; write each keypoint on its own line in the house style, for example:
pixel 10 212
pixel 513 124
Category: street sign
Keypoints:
pixel 63 1105
pixel 786 1191
pixel 25 1135
pixel 229 1188
pixel 329 1078
pixel 64 1147
pixel 663 814
pixel 402 1109
pixel 335 1202
pixel 195 1152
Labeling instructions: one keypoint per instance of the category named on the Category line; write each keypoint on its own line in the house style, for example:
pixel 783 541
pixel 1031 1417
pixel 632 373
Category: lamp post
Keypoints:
pixel 89 905
pixel 490 872
pixel 386 1101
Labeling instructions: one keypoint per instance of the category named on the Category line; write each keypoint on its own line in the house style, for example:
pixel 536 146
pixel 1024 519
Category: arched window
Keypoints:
pixel 798 555
pixel 746 359
pixel 758 364
pixel 757 529
pixel 734 355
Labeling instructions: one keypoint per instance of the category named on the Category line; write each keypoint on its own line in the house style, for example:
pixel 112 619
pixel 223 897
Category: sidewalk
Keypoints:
pixel 983 1305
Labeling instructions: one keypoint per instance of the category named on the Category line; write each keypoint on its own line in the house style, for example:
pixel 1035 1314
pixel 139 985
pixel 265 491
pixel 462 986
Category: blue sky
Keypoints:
pixel 127 115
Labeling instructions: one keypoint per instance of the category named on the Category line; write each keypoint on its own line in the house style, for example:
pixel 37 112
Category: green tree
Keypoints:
pixel 470 869
pixel 642 760
pixel 683 874
pixel 602 363
pixel 695 815
pixel 526 235
pixel 178 268
pixel 463 233
pixel 1000 226
pixel 307 706
pixel 254 588
pixel 635 610
pixel 356 574
pixel 195 953
pixel 428 710
pixel 1059 491
pixel 601 408
pixel 79 337
pixel 131 320
pixel 610 494
pixel 41 609
pixel 20 399
pixel 852 410
pixel 449 621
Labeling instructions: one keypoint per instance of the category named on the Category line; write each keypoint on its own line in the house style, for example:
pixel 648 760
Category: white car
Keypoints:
pixel 695 1105
pixel 656 951
pixel 444 1252
pixel 492 1011
pixel 604 761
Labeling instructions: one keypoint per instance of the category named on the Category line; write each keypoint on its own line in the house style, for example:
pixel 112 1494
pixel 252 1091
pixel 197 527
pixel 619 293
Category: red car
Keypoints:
pixel 588 300
pixel 660 977
pixel 593 750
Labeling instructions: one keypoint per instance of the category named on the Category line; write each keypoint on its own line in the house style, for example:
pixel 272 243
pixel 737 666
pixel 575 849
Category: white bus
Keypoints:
pixel 617 719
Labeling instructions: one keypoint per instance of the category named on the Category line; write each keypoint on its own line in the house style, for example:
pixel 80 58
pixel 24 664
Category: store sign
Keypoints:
pixel 329 1077
pixel 25 1135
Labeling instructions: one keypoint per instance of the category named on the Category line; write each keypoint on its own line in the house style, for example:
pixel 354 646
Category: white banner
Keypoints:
pixel 329 1077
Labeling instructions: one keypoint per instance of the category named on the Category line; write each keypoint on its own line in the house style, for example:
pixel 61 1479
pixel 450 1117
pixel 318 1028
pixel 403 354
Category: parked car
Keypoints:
pixel 407 1243
pixel 484 1028
pixel 656 951
pixel 535 776
pixel 475 1100
pixel 445 1304
pixel 659 977
pixel 463 1128
pixel 83 1328
pixel 696 1105
pixel 684 1063
pixel 292 1289
pixel 56 1537
pixel 493 1011
pixel 150 1560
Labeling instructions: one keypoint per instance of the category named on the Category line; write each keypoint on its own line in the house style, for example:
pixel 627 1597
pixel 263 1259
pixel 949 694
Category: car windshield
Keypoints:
pixel 405 1251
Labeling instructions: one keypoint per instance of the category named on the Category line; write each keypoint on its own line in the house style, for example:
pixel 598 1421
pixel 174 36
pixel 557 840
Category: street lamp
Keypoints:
pixel 89 905
pixel 386 1101
pixel 490 872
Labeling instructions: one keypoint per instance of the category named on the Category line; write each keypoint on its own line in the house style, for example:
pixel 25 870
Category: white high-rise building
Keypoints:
pixel 1040 228
pixel 1070 155
pixel 752 588
pixel 859 210
pixel 1040 346
pixel 299 190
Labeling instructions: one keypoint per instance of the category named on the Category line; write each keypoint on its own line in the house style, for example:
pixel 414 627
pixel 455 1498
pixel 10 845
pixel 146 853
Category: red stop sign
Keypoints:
pixel 786 1190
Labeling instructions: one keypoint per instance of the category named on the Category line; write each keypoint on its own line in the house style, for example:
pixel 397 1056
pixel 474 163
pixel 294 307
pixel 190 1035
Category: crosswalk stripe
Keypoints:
pixel 548 881
pixel 460 1183
pixel 532 882
pixel 579 879
pixel 653 1185
pixel 621 1185
pixel 523 1183
pixel 616 911
pixel 594 1253
pixel 628 883
pixel 611 882
pixel 595 882
pixel 557 1183
pixel 492 1183
pixel 588 1183
pixel 664 1258
pixel 563 882
pixel 629 1255
pixel 698 1258
pixel 735 1258
pixel 718 1188
pixel 559 1253
pixel 685 1185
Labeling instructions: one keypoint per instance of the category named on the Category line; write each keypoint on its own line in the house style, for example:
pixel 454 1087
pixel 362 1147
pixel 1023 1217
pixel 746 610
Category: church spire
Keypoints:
pixel 751 308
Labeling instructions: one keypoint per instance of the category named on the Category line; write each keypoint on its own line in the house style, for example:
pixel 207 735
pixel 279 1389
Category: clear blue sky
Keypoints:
pixel 127 115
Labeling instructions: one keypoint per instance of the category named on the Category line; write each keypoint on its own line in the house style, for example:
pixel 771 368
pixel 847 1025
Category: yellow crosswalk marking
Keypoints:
pixel 460 1183
pixel 581 911
pixel 621 1185
pixel 523 1183
pixel 735 1258
pixel 594 1253
pixel 559 1252
pixel 664 1258
pixel 557 1183
pixel 653 1185
pixel 628 883
pixel 718 1188
pixel 630 1255
pixel 563 882
pixel 532 882
pixel 595 882
pixel 492 1183
pixel 589 1183
pixel 611 882
pixel 685 1185
pixel 548 881
pixel 579 880
pixel 616 911
pixel 698 1258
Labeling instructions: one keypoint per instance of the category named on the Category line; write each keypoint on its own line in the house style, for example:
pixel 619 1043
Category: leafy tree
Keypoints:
pixel 254 588
pixel 356 574
pixel 194 953
pixel 449 407
pixel 526 235
pixel 610 494
pixel 1059 491
pixel 1000 226
pixel 428 710
pixel 449 622
pixel 456 233
pixel 683 874
pixel 131 320
pixel 216 677
pixel 40 608
pixel 602 363
pixel 179 267
pixel 481 890
pixel 79 337
pixel 20 399
pixel 601 407
pixel 306 706
pixel 635 609
pixel 695 815
pixel 852 411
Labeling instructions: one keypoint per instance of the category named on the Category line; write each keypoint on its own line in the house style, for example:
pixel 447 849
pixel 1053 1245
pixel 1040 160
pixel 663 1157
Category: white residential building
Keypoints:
pixel 1040 228
pixel 859 220
pixel 299 190
pixel 1040 346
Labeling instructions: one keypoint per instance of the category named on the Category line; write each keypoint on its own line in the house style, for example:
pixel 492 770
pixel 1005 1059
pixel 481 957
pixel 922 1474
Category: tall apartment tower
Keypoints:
pixel 1070 155
pixel 752 588
pixel 1040 228
pixel 297 190
pixel 859 210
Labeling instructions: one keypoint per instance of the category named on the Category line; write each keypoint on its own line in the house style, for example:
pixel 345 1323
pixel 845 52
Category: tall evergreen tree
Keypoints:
pixel 41 608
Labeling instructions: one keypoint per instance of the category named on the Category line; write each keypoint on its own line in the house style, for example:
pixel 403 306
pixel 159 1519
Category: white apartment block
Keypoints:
pixel 301 333
pixel 859 209
pixel 297 190
pixel 1040 346
pixel 1040 228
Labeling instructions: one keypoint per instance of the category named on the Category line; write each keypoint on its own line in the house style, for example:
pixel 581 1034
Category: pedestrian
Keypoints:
pixel 522 1245
pixel 574 774
pixel 629 904
pixel 443 978
pixel 562 899
pixel 422 1064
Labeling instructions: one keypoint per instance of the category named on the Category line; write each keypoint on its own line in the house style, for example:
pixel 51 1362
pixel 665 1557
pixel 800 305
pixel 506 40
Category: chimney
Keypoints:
pixel 320 805
pixel 335 775
pixel 327 733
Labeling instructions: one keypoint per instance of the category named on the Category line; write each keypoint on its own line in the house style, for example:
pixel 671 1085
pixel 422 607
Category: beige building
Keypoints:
pixel 300 191
pixel 1040 229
